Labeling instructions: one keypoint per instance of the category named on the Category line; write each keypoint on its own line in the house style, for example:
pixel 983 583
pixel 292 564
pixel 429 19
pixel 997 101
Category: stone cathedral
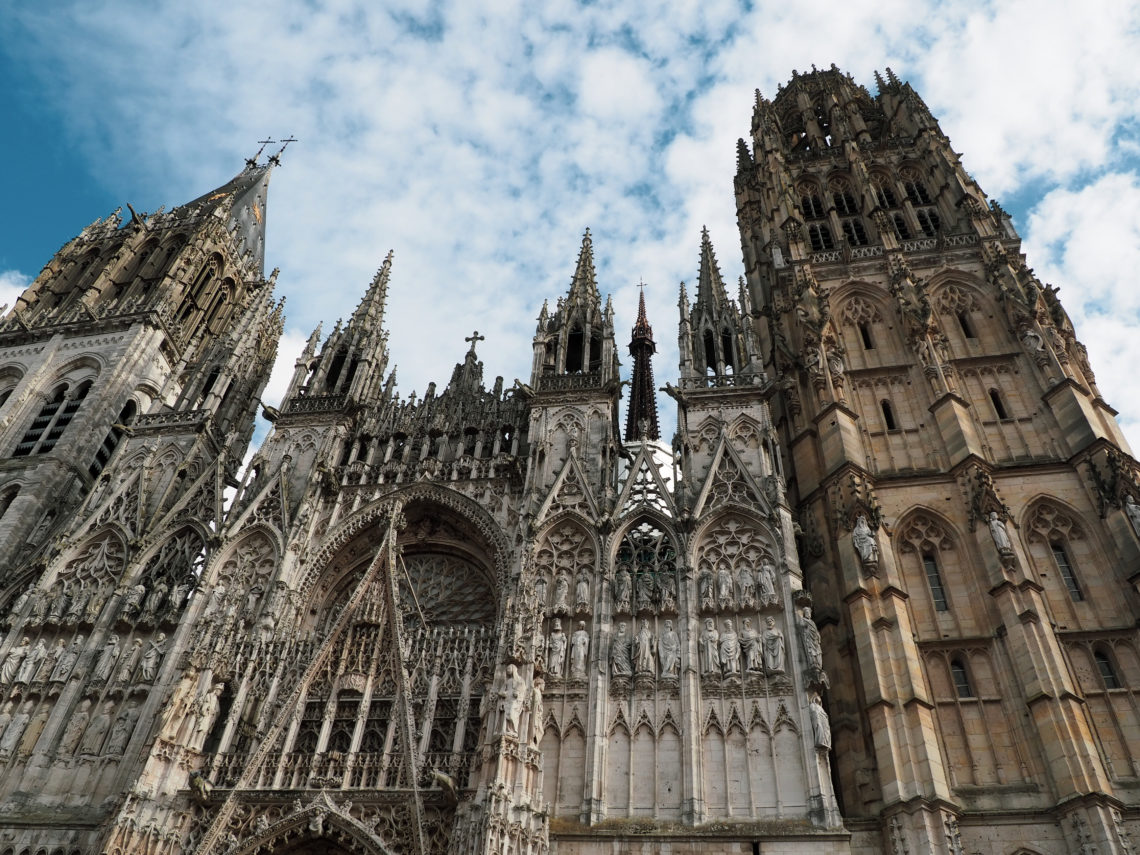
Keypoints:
pixel 875 595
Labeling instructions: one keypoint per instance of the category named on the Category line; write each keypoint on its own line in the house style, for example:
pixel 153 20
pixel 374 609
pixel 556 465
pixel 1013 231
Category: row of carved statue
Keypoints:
pixel 81 602
pixel 26 664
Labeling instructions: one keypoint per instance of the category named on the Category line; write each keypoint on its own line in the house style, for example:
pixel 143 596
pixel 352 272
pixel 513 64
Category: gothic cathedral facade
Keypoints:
pixel 878 595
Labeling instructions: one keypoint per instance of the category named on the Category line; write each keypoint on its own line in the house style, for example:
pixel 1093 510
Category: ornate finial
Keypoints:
pixel 276 159
pixel 251 162
pixel 473 338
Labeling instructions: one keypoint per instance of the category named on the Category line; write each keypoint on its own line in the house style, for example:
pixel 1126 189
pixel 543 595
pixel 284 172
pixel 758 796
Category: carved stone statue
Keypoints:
pixel 730 650
pixel 746 587
pixel 1133 511
pixel 148 669
pixel 562 594
pixel 579 648
pixel 773 641
pixel 812 647
pixel 767 583
pixel 77 606
pixel 32 662
pixel 96 732
pixel 204 712
pixel 130 662
pixel 106 661
pixel 15 729
pixel 67 661
pixel 51 660
pixel 95 604
pixel 582 595
pixel 511 700
pixel 133 601
pixel 556 650
pixel 153 605
pixel 668 586
pixel 645 588
pixel 709 648
pixel 644 650
pixel 705 589
pixel 12 661
pixel 669 651
pixel 122 729
pixel 724 586
pixel 623 584
pixel 58 606
pixel 864 541
pixel 820 724
pixel 750 645
pixel 75 727
pixel 621 653
pixel 540 591
pixel 999 534
pixel 536 711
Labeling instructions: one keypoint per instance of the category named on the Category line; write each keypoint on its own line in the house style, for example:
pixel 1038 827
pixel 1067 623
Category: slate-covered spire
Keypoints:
pixel 245 195
pixel 710 285
pixel 641 420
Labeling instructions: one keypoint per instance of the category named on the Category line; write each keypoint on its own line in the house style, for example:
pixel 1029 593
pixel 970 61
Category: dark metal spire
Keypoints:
pixel 641 420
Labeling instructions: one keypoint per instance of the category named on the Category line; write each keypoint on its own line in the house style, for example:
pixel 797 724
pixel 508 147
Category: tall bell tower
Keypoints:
pixel 962 489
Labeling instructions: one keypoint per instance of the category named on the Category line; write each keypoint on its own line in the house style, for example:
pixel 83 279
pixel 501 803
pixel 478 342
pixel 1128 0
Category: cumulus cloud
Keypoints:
pixel 12 284
pixel 478 142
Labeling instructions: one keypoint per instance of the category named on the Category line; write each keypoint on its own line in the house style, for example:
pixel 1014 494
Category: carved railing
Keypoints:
pixel 725 381
pixel 564 382
pixel 152 421
pixel 315 404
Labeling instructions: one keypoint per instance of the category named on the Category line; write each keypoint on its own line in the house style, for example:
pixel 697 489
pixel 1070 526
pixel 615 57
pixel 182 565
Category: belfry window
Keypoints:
pixel 854 232
pixel 575 343
pixel 1066 567
pixel 966 325
pixel 51 421
pixel 844 201
pixel 820 237
pixel 1107 672
pixel 999 405
pixel 113 438
pixel 812 207
pixel 710 352
pixel 961 679
pixel 934 579
pixel 928 221
pixel 888 414
pixel 901 227
pixel 865 335
pixel 916 191
pixel 885 196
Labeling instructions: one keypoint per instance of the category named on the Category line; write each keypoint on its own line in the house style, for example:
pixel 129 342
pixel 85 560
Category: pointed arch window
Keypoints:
pixel 811 205
pixel 113 438
pixel 884 193
pixel 1068 574
pixel 710 351
pixel 966 324
pixel 854 232
pixel 820 236
pixel 844 199
pixel 915 190
pixel 961 679
pixel 934 579
pixel 51 421
pixel 865 335
pixel 928 221
pixel 901 227
pixel 727 349
pixel 1106 669
pixel 888 414
pixel 575 346
pixel 998 404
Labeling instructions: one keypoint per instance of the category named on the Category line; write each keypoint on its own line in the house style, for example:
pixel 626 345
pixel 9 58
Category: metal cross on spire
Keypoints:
pixel 276 159
pixel 251 162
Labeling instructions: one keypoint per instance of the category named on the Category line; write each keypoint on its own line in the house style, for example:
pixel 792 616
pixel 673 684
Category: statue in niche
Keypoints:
pixel 133 601
pixel 200 786
pixel 709 648
pixel 645 591
pixel 1132 510
pixel 39 609
pixel 75 727
pixel 669 651
pixel 623 585
pixel 582 595
pixel 97 731
pixel 22 601
pixel 579 648
pixel 31 663
pixel 12 661
pixel 155 650
pixel 746 586
pixel 6 715
pixel 750 645
pixel 562 593
pixel 773 643
pixel 47 667
pixel 130 662
pixel 33 731
pixel 811 646
pixel 668 581
pixel 536 711
pixel 252 598
pixel 767 583
pixel 15 729
pixel 95 604
pixel 511 701
pixel 999 534
pixel 203 714
pixel 730 650
pixel 217 598
pixel 107 660
pixel 67 661
pixel 644 652
pixel 820 724
pixel 540 592
pixel 58 606
pixel 77 607
pixel 178 596
pixel 154 600
pixel 621 653
pixel 705 588
pixel 724 585
pixel 865 545
pixel 122 729
pixel 556 650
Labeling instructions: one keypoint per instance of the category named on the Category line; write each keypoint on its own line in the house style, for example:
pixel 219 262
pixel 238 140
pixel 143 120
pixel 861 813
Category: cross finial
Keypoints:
pixel 475 337
pixel 276 159
pixel 251 162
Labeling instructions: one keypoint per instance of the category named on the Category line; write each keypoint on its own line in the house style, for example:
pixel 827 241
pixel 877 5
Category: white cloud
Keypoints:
pixel 12 284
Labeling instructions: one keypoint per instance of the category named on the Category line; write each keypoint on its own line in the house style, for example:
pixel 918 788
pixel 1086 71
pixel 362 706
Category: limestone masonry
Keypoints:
pixel 878 594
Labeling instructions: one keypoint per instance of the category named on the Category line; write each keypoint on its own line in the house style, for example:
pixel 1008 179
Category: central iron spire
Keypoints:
pixel 641 420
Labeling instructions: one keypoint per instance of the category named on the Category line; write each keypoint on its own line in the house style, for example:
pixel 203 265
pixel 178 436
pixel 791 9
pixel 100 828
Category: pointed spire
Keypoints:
pixel 641 420
pixel 371 308
pixel 710 285
pixel 244 198
pixel 584 285
pixel 743 157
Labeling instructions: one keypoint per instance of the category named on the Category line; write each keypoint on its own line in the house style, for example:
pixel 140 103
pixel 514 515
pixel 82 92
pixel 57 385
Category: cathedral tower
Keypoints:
pixel 961 487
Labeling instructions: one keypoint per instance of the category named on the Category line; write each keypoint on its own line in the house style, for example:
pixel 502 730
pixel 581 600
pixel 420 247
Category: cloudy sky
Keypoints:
pixel 479 139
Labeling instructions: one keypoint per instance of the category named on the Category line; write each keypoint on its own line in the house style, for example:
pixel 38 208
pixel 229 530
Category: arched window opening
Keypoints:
pixel 916 191
pixel 595 352
pixel 575 344
pixel 854 232
pixel 1061 556
pixel 928 221
pixel 211 379
pixel 334 370
pixel 961 679
pixel 888 414
pixel 844 199
pixel 865 335
pixel 344 722
pixel 812 207
pixel 40 423
pixel 901 227
pixel 348 377
pixel 999 405
pixel 1107 672
pixel 884 195
pixel 710 352
pixel 113 438
pixel 934 579
pixel 966 325
pixel 820 237
pixel 727 349
pixel 52 420
pixel 197 289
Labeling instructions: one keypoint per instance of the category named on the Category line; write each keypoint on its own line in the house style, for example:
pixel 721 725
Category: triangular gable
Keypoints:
pixel 569 493
pixel 268 506
pixel 644 487
pixel 729 483
pixel 202 501
pixel 122 508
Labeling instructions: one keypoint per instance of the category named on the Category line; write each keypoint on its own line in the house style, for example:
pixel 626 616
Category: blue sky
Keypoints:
pixel 479 140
